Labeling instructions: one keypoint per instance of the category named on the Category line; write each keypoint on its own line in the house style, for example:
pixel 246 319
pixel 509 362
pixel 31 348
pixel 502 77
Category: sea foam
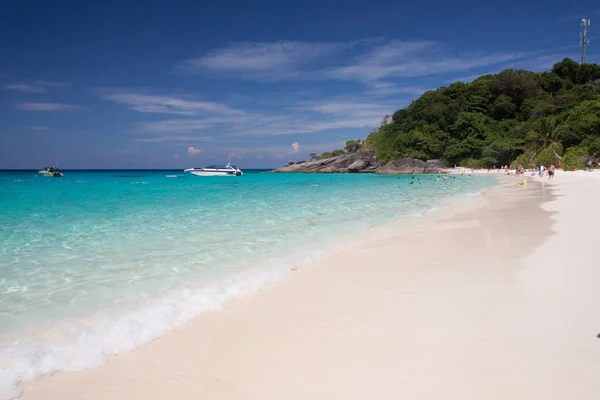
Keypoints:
pixel 96 269
pixel 86 344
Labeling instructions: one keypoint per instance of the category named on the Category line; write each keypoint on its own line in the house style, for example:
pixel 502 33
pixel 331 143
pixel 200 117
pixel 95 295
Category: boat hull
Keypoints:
pixel 210 173
pixel 55 174
pixel 215 171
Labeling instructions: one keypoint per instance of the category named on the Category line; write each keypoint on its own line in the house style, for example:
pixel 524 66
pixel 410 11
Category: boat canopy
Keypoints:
pixel 219 166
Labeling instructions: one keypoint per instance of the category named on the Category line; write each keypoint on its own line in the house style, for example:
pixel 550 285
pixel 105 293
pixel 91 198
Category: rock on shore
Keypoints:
pixel 365 161
pixel 360 161
pixel 412 166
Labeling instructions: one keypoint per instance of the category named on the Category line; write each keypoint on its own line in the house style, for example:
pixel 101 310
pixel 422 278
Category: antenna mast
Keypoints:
pixel 584 39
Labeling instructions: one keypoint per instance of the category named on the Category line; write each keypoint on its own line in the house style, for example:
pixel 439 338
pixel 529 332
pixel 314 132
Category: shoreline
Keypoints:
pixel 86 342
pixel 332 328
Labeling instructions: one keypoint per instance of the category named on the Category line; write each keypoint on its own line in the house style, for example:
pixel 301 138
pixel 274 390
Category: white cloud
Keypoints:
pixel 466 79
pixel 262 56
pixel 39 128
pixel 169 105
pixel 192 151
pixel 175 130
pixel 266 61
pixel 179 125
pixel 300 118
pixel 51 84
pixel 369 62
pixel 25 87
pixel 171 138
pixel 47 106
pixel 414 59
pixel 282 149
pixel 349 108
pixel 539 62
pixel 295 147
pixel 40 86
pixel 382 88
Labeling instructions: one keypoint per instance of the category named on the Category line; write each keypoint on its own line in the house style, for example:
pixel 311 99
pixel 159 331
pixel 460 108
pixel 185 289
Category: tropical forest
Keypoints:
pixel 513 118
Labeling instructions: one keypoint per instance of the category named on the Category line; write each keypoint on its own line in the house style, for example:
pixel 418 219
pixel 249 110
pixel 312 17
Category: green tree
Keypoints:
pixel 582 123
pixel 575 157
pixel 566 69
pixel 587 73
pixel 354 145
pixel 514 84
pixel 544 137
pixel 329 154
pixel 313 156
pixel 504 108
pixel 550 82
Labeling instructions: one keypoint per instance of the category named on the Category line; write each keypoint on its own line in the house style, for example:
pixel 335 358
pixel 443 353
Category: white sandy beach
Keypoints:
pixel 500 301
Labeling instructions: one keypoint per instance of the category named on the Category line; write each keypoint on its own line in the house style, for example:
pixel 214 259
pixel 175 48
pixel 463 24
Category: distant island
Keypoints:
pixel 516 117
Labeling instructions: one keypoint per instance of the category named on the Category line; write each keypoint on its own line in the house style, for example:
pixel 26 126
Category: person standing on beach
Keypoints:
pixel 551 171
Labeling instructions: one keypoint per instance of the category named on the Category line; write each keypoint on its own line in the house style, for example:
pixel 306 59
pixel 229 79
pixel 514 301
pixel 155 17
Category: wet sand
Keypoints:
pixel 496 297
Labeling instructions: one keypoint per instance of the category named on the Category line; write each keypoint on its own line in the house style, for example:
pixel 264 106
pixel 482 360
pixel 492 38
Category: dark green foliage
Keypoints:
pixel 353 145
pixel 329 154
pixel 497 118
pixel 575 157
pixel 547 158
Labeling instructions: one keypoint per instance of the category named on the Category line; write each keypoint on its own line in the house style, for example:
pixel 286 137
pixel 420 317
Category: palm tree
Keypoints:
pixel 546 136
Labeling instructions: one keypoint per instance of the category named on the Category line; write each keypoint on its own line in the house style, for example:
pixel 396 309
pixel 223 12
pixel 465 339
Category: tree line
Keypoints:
pixel 514 117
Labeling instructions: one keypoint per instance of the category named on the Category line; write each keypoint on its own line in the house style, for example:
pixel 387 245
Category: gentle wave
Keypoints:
pixel 79 347
pixel 118 262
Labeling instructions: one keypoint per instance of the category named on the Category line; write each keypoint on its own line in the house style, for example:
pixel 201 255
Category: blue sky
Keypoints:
pixel 174 84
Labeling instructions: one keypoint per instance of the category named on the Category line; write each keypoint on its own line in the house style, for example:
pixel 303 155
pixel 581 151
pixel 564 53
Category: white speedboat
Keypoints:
pixel 51 171
pixel 216 170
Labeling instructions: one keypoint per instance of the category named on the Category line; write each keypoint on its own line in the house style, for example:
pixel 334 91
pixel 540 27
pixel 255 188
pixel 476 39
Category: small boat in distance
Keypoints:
pixel 51 171
pixel 216 170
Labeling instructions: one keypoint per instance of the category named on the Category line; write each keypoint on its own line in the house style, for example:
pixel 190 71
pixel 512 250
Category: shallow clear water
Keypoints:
pixel 144 251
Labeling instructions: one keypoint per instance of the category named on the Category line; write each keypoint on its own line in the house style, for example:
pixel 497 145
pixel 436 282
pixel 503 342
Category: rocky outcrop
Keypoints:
pixel 365 161
pixel 360 161
pixel 412 166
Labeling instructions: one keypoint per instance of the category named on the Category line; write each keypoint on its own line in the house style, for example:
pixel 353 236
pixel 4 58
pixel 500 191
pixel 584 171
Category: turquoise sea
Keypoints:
pixel 99 262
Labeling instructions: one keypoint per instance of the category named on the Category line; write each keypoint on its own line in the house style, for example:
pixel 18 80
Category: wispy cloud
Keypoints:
pixel 169 105
pixel 39 128
pixel 382 88
pixel 47 106
pixel 279 151
pixel 580 16
pixel 40 86
pixel 349 108
pixel 370 61
pixel 313 119
pixel 266 61
pixel 202 120
pixel 467 78
pixel 415 59
pixel 192 151
pixel 176 130
pixel 25 88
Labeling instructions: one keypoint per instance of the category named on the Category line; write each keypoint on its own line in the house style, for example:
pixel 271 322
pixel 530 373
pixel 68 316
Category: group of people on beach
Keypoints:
pixel 430 178
pixel 541 171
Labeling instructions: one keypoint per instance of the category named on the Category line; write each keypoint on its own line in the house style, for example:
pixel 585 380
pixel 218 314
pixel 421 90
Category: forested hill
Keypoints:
pixel 513 117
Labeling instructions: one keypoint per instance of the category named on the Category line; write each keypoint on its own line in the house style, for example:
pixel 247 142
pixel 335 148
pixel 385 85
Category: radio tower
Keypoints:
pixel 585 40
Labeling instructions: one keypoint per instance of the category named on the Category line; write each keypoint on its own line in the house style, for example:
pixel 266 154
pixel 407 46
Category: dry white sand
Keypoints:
pixel 498 302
